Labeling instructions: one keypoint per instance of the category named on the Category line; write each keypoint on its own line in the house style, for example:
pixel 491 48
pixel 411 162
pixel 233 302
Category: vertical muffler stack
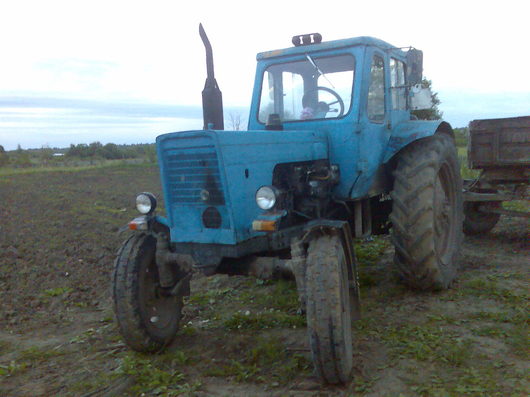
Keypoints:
pixel 212 99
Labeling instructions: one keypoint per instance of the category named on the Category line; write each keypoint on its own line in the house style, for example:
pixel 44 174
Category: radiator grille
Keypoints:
pixel 193 176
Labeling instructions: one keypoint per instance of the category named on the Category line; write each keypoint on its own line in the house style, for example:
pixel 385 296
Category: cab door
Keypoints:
pixel 375 119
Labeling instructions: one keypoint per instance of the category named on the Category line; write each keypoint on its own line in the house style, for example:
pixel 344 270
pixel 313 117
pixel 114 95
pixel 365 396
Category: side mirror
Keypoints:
pixel 414 66
pixel 420 97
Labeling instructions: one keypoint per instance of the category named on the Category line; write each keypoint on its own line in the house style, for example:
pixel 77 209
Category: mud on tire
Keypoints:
pixel 147 320
pixel 427 213
pixel 329 309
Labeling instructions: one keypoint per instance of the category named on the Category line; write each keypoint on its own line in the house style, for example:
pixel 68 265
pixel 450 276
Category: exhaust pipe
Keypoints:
pixel 212 99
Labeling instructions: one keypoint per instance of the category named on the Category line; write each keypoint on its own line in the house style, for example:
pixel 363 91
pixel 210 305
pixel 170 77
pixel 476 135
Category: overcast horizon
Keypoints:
pixel 127 71
pixel 34 123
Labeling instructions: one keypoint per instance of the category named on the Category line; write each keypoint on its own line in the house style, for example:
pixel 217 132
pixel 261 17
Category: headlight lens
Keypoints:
pixel 146 203
pixel 266 197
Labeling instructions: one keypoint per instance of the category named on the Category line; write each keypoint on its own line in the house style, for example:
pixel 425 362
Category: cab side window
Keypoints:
pixel 397 85
pixel 376 91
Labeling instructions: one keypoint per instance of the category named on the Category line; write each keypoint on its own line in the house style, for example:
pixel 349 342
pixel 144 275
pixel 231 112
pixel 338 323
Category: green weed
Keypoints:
pixel 13 368
pixel 266 361
pixel 4 346
pixel 35 354
pixel 57 291
pixel 518 340
pixel 188 330
pixel 264 320
pixel 426 343
pixel 517 315
pixel 490 331
pixel 490 289
pixel 369 252
pixel 152 379
pixel 239 371
pixel 517 205
pixel 283 296
pixel 210 297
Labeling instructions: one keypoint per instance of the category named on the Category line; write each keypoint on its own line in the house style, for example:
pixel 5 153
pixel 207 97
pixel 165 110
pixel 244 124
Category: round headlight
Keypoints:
pixel 265 197
pixel 146 203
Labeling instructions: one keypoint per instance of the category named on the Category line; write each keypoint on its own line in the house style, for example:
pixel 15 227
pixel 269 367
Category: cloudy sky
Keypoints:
pixel 127 71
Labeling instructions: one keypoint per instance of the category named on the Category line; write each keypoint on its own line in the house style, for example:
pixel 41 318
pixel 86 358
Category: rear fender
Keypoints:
pixel 409 131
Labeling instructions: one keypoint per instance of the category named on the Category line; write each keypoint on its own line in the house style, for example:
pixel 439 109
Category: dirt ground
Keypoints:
pixel 59 232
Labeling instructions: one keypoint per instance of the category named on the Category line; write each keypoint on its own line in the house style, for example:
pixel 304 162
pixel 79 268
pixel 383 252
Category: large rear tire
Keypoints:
pixel 329 309
pixel 148 318
pixel 427 213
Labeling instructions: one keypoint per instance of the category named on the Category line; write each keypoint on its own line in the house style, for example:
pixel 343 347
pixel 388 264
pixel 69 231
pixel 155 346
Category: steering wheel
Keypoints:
pixel 322 106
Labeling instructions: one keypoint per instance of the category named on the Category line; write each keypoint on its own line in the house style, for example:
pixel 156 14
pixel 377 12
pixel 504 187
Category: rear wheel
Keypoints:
pixel 328 309
pixel 148 317
pixel 427 213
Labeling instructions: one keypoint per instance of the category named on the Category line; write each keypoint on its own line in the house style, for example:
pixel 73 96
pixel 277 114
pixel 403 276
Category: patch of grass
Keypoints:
pixel 505 276
pixel 57 291
pixel 517 315
pixel 491 289
pixel 426 343
pixel 283 296
pixel 495 379
pixel 364 385
pixel 6 171
pixel 266 361
pixel 490 331
pixel 239 371
pixel 36 355
pixel 517 205
pixel 369 252
pixel 264 320
pixel 13 368
pixel 444 319
pixel 270 353
pixel 210 296
pixel 518 341
pixel 4 346
pixel 153 378
pixel 465 171
pixel 188 330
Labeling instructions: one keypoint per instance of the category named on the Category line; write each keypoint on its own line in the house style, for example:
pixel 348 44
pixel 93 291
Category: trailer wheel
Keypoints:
pixel 147 318
pixel 478 222
pixel 427 213
pixel 328 309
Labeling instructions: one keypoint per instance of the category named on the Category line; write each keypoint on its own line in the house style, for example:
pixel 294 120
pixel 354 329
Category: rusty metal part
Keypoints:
pixel 297 265
pixel 167 262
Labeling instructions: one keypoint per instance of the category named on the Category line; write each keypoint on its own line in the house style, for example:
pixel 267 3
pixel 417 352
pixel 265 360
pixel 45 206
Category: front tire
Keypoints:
pixel 147 318
pixel 427 213
pixel 328 309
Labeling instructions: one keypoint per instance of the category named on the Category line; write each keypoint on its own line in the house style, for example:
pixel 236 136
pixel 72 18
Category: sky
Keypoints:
pixel 127 71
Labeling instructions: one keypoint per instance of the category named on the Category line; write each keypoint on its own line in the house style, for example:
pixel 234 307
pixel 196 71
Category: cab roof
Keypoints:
pixel 329 45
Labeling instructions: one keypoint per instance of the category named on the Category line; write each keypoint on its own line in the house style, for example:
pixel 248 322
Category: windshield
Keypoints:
pixel 314 88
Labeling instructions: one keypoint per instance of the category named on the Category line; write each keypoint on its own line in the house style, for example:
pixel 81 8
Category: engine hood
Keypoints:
pixel 230 166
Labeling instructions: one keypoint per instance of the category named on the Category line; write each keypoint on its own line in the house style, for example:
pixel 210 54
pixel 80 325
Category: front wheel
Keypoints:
pixel 328 309
pixel 148 317
pixel 427 213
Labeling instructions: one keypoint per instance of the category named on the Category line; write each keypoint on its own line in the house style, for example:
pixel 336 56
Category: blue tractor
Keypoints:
pixel 332 153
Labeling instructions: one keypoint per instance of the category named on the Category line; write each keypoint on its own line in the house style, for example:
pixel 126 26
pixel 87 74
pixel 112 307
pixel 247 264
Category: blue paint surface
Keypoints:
pixel 224 169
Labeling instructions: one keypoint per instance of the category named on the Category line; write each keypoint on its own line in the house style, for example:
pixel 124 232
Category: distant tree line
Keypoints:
pixel 76 154
pixel 111 151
